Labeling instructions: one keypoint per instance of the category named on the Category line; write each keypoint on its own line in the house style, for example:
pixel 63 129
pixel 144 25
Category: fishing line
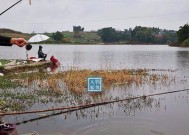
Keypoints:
pixel 79 107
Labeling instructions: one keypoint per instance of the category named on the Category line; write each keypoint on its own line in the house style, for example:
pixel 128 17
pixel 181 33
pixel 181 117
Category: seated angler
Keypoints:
pixel 41 54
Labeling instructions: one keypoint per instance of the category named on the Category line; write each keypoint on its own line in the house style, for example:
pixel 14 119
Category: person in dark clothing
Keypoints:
pixel 7 41
pixel 41 54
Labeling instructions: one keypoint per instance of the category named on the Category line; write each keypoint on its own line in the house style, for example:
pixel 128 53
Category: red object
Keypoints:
pixel 32 57
pixel 54 61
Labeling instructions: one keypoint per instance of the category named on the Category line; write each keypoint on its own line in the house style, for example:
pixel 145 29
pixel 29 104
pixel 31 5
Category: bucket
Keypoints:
pixel 54 61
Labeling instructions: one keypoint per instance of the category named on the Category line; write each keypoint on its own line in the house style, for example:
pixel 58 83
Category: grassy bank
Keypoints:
pixel 69 38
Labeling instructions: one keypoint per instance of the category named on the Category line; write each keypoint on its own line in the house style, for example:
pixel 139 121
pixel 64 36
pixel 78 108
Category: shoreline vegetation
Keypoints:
pixel 182 37
pixel 105 36
pixel 110 36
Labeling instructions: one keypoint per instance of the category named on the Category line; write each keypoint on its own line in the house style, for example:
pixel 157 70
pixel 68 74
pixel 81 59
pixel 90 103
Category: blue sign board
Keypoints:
pixel 94 84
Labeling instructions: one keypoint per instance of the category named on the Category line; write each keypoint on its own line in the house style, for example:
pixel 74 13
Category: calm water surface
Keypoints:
pixel 159 115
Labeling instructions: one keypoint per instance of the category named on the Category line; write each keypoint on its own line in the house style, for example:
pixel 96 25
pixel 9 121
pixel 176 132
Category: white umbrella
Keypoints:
pixel 38 38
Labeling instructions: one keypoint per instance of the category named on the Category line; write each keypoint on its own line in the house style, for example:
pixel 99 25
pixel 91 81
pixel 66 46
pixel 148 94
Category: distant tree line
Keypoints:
pixel 139 34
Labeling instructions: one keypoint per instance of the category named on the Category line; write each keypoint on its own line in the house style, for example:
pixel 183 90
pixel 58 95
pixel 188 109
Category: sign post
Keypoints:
pixel 94 84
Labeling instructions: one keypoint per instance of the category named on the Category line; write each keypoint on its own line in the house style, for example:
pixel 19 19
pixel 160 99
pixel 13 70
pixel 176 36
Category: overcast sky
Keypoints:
pixel 62 15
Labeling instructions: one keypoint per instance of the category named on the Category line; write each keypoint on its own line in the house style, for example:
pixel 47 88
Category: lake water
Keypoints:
pixel 111 56
pixel 158 115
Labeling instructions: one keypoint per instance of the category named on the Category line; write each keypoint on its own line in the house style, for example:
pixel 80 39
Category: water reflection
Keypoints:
pixel 183 59
pixel 54 69
pixel 77 58
pixel 106 59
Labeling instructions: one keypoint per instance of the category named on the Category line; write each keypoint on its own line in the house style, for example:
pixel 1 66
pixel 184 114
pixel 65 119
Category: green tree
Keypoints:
pixel 58 36
pixel 108 35
pixel 183 33
pixel 185 42
pixel 142 34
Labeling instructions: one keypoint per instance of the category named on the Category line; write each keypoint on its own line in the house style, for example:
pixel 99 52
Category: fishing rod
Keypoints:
pixel 10 7
pixel 13 6
pixel 85 106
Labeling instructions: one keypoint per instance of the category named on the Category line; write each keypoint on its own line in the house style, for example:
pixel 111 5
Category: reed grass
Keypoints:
pixel 75 80
pixel 44 88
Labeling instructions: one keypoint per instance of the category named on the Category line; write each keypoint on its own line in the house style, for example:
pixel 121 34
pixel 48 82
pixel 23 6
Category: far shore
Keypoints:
pixel 98 44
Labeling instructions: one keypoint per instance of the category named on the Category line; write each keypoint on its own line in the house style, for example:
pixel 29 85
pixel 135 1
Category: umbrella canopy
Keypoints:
pixel 38 38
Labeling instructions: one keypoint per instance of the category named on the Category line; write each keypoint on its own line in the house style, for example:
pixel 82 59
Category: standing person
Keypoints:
pixel 41 54
pixel 7 41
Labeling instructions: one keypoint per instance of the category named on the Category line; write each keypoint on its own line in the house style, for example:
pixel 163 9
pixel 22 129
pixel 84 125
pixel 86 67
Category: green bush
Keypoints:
pixel 186 43
pixel 3 61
